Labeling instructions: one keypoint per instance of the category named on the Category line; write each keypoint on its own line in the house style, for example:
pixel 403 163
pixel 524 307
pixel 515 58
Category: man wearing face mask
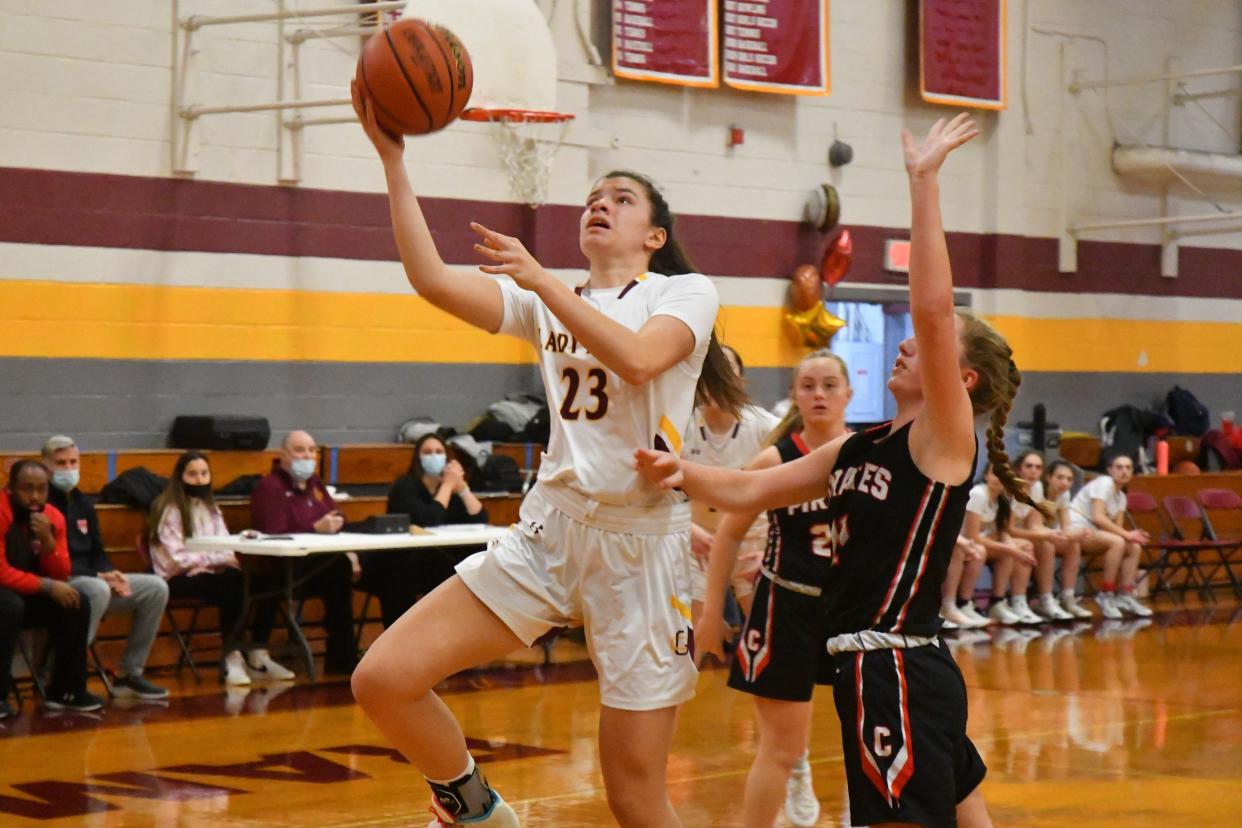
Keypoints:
pixel 34 565
pixel 142 596
pixel 293 499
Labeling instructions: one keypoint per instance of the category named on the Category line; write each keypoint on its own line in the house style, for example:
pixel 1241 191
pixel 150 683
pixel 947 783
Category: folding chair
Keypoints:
pixel 1167 551
pixel 195 605
pixel 1190 526
pixel 1222 520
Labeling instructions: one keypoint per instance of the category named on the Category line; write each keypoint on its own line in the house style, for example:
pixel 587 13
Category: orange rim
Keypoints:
pixel 526 116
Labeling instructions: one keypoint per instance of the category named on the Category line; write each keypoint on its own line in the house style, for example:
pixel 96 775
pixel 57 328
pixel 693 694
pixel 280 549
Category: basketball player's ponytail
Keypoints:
pixel 792 423
pixel 986 351
pixel 718 383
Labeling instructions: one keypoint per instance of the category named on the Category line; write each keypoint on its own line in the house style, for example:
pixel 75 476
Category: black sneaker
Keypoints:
pixel 6 710
pixel 137 687
pixel 83 701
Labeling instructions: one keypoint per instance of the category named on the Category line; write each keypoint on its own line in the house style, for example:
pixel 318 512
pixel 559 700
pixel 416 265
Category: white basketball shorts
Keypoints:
pixel 622 573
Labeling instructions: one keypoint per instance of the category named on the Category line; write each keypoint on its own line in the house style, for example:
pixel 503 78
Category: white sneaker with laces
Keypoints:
pixel 1048 607
pixel 1069 603
pixel 977 619
pixel 801 804
pixel 1128 603
pixel 1002 614
pixel 235 674
pixel 261 666
pixel 1107 602
pixel 1019 607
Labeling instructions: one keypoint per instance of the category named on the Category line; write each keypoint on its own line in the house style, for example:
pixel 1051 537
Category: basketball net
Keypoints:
pixel 528 142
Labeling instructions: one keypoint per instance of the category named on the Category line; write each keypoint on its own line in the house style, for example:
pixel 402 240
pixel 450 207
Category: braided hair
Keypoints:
pixel 718 382
pixel 987 352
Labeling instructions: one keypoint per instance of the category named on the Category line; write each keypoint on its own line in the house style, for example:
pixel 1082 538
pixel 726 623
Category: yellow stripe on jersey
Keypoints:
pixel 670 434
pixel 681 608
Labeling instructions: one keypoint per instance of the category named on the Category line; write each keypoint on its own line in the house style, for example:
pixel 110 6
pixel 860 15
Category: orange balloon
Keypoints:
pixel 837 258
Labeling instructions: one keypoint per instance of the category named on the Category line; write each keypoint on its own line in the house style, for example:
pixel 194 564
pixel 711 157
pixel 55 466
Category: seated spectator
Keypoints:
pixel 34 570
pixel 293 499
pixel 987 523
pixel 1098 511
pixel 1054 490
pixel 142 596
pixel 186 509
pixel 1049 542
pixel 434 492
pixel 957 604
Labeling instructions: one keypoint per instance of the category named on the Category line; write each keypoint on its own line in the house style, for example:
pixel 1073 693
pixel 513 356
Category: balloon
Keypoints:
pixel 838 258
pixel 813 327
pixel 805 291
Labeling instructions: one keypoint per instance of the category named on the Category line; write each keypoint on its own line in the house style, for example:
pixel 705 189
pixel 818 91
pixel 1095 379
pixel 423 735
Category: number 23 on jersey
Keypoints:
pixel 591 401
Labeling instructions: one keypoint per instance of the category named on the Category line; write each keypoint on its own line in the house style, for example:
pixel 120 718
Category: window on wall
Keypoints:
pixel 868 343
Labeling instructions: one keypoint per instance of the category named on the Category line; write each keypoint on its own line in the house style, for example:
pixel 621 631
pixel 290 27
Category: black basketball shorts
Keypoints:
pixel 781 644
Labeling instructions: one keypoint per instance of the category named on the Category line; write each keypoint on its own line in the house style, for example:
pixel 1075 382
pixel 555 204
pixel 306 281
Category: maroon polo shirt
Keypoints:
pixel 279 507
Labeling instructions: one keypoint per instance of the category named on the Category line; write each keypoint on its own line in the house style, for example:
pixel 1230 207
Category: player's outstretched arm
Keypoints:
pixel 731 490
pixel 473 298
pixel 947 419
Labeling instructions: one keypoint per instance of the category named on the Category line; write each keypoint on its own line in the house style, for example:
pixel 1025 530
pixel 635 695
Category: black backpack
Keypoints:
pixel 499 474
pixel 539 429
pixel 138 486
pixel 1189 416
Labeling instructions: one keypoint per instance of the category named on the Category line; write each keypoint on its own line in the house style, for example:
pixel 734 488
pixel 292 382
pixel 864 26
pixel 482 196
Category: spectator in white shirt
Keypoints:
pixel 1099 508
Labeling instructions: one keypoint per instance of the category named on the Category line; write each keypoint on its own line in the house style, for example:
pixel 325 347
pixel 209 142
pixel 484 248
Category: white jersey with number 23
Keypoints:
pixel 598 420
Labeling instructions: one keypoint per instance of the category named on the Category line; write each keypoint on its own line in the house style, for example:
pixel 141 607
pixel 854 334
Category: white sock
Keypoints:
pixel 468 770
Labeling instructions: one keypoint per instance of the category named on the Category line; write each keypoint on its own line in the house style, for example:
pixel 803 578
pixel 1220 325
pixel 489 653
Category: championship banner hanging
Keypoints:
pixel 666 41
pixel 777 46
pixel 962 53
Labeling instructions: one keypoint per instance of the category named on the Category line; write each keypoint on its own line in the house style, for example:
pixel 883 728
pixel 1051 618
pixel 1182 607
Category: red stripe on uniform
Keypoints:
pixel 797 441
pixel 764 656
pixel 924 557
pixel 905 557
pixel 869 765
pixel 907 746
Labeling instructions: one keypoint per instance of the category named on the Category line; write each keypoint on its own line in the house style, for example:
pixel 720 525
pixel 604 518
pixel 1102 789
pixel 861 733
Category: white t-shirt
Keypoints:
pixel 981 503
pixel 1020 509
pixel 598 419
pixel 1101 488
pixel 734 449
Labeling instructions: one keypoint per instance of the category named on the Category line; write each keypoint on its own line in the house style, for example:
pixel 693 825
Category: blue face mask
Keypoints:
pixel 66 479
pixel 302 468
pixel 433 464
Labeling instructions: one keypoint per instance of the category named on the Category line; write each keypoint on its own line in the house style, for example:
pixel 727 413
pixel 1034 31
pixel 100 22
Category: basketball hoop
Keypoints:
pixel 529 140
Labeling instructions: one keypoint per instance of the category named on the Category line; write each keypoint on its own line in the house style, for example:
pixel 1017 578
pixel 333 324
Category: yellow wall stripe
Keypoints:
pixel 108 321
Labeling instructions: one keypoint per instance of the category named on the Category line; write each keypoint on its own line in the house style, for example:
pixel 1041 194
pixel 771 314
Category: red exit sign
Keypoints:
pixel 897 255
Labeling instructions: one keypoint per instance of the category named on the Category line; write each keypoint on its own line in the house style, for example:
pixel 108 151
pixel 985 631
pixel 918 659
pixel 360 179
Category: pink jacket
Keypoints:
pixel 170 557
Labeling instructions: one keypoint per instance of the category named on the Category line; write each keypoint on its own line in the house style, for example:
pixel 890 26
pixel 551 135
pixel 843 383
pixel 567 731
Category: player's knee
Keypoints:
pixel 372 683
pixel 635 806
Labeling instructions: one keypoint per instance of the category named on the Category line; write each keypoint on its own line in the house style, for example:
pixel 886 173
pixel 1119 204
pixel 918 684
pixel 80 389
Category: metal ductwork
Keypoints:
pixel 1152 165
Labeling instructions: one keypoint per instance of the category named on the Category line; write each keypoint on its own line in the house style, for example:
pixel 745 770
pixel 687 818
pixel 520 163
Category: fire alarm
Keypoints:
pixel 737 136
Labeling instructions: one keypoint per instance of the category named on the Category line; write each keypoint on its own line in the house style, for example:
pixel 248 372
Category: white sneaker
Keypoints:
pixel 954 618
pixel 1002 614
pixel 261 666
pixel 235 674
pixel 1069 603
pixel 1019 607
pixel 501 816
pixel 977 619
pixel 801 804
pixel 1107 602
pixel 1128 603
pixel 1048 607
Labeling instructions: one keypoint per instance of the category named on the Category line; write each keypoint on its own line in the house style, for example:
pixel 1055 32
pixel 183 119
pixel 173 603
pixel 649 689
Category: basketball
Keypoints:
pixel 417 75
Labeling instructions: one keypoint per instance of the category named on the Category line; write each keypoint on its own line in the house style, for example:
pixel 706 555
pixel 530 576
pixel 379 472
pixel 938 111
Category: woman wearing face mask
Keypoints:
pixel 433 492
pixel 187 509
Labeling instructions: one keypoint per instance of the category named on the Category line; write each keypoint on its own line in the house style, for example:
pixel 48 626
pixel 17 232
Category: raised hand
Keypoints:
pixel 511 258
pixel 924 158
pixel 659 467
pixel 390 147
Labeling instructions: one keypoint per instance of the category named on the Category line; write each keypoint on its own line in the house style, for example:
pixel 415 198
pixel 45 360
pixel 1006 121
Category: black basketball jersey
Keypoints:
pixel 893 532
pixel 798 540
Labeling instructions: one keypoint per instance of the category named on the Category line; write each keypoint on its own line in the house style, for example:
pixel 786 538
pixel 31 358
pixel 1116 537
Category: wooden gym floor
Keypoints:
pixel 1105 725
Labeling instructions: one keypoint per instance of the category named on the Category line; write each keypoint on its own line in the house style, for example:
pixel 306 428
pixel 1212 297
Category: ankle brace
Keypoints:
pixel 466 798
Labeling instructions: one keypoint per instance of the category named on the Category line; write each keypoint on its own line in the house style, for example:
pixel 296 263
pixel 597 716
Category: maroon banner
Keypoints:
pixel 962 52
pixel 666 41
pixel 777 46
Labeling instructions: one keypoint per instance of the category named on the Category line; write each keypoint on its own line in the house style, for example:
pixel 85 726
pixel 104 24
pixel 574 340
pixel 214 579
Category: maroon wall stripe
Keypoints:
pixel 100 210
